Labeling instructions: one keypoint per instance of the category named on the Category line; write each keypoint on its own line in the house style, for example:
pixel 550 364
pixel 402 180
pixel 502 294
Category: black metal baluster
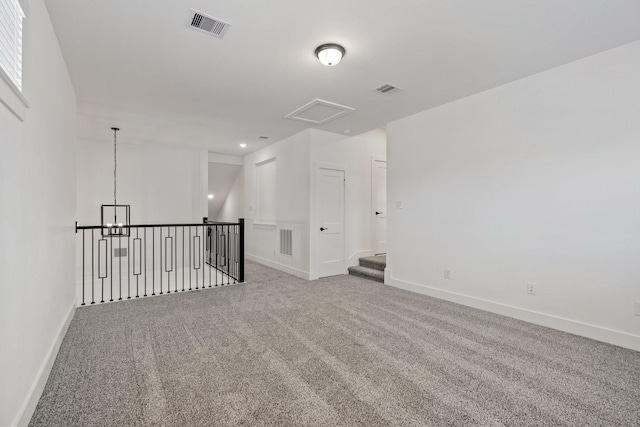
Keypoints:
pixel 241 251
pixel 144 236
pixel 215 258
pixel 168 257
pixel 153 261
pixel 134 263
pixel 128 263
pixel 228 253
pixel 182 258
pixel 203 254
pixel 82 264
pixel 120 266
pixel 175 255
pixel 99 270
pixel 160 260
pixel 110 252
pixel 166 263
pixel 209 244
pixel 93 300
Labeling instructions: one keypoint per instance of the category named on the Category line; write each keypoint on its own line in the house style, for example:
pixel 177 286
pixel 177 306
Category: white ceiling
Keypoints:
pixel 136 65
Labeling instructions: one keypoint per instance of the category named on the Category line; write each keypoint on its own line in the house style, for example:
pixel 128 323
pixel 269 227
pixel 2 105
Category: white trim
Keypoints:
pixel 375 159
pixel 225 159
pixel 291 270
pixel 264 224
pixel 595 332
pixel 29 405
pixel 12 98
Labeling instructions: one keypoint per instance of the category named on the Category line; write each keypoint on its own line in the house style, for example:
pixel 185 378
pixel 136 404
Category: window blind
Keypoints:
pixel 11 16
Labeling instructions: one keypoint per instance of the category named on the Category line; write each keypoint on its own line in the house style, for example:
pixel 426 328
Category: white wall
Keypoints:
pixel 233 207
pixel 37 214
pixel 221 179
pixel 296 159
pixel 535 181
pixel 291 195
pixel 162 184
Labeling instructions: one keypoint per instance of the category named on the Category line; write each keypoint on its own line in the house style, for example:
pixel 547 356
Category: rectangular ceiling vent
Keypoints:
pixel 263 137
pixel 387 89
pixel 207 24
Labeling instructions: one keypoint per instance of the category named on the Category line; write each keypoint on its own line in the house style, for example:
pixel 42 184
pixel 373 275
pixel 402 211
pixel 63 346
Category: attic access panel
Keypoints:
pixel 319 112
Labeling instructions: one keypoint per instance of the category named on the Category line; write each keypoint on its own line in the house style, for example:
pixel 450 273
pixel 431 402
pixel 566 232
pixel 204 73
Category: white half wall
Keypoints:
pixel 532 182
pixel 162 184
pixel 37 214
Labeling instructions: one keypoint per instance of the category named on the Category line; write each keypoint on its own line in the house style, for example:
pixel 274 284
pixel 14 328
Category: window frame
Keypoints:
pixel 10 95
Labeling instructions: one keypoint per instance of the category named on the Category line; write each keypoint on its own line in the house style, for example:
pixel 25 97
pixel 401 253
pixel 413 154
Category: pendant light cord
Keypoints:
pixel 115 181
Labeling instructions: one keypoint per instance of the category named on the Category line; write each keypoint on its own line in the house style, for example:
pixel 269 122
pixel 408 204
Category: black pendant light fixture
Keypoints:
pixel 119 213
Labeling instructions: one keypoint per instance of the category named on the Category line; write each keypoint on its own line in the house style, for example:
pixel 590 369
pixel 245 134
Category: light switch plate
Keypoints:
pixel 637 311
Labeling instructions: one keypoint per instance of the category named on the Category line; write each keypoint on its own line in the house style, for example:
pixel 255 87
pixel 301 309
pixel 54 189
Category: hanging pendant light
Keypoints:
pixel 116 228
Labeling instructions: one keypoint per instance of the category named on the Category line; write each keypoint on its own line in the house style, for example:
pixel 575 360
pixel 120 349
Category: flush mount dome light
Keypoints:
pixel 330 54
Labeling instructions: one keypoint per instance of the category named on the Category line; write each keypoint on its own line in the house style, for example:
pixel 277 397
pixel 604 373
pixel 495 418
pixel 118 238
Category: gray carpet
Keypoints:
pixel 334 352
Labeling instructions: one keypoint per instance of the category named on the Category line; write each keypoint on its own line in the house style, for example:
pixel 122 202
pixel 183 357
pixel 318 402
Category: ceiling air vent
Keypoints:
pixel 207 24
pixel 387 89
pixel 263 137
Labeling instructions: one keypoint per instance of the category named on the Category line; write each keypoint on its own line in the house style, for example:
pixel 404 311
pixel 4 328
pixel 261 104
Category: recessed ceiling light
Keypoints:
pixel 330 54
pixel 210 196
pixel 243 145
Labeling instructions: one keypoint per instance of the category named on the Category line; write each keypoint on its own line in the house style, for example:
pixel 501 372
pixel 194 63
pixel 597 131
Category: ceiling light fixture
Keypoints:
pixel 210 196
pixel 330 54
pixel 243 145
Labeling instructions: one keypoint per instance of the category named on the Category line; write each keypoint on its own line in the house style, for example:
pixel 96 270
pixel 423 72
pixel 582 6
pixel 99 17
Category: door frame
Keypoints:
pixel 313 223
pixel 375 159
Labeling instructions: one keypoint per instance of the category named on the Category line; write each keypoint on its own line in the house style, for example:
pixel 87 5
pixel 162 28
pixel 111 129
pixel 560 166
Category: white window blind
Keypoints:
pixel 11 16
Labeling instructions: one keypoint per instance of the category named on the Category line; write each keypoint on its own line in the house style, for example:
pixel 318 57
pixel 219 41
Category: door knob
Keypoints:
pixel 322 228
pixel 378 213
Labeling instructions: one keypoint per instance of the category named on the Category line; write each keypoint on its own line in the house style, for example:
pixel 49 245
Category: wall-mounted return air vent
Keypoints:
pixel 286 243
pixel 207 24
pixel 387 89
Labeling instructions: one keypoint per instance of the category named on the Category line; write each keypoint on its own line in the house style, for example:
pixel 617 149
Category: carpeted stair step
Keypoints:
pixel 367 273
pixel 375 262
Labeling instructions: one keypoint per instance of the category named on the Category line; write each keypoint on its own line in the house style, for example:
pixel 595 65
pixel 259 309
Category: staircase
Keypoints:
pixel 371 267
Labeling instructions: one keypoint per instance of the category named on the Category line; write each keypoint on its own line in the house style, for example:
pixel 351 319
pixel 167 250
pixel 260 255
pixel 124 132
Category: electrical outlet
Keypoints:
pixel 398 204
pixel 531 288
pixel 637 312
pixel 447 274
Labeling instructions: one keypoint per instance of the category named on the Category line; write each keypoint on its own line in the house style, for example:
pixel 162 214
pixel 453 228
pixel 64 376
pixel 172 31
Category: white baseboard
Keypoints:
pixel 29 405
pixel 293 271
pixel 595 332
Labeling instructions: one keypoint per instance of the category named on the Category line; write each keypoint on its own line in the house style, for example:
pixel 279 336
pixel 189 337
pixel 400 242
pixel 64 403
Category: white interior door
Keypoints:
pixel 379 205
pixel 330 222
